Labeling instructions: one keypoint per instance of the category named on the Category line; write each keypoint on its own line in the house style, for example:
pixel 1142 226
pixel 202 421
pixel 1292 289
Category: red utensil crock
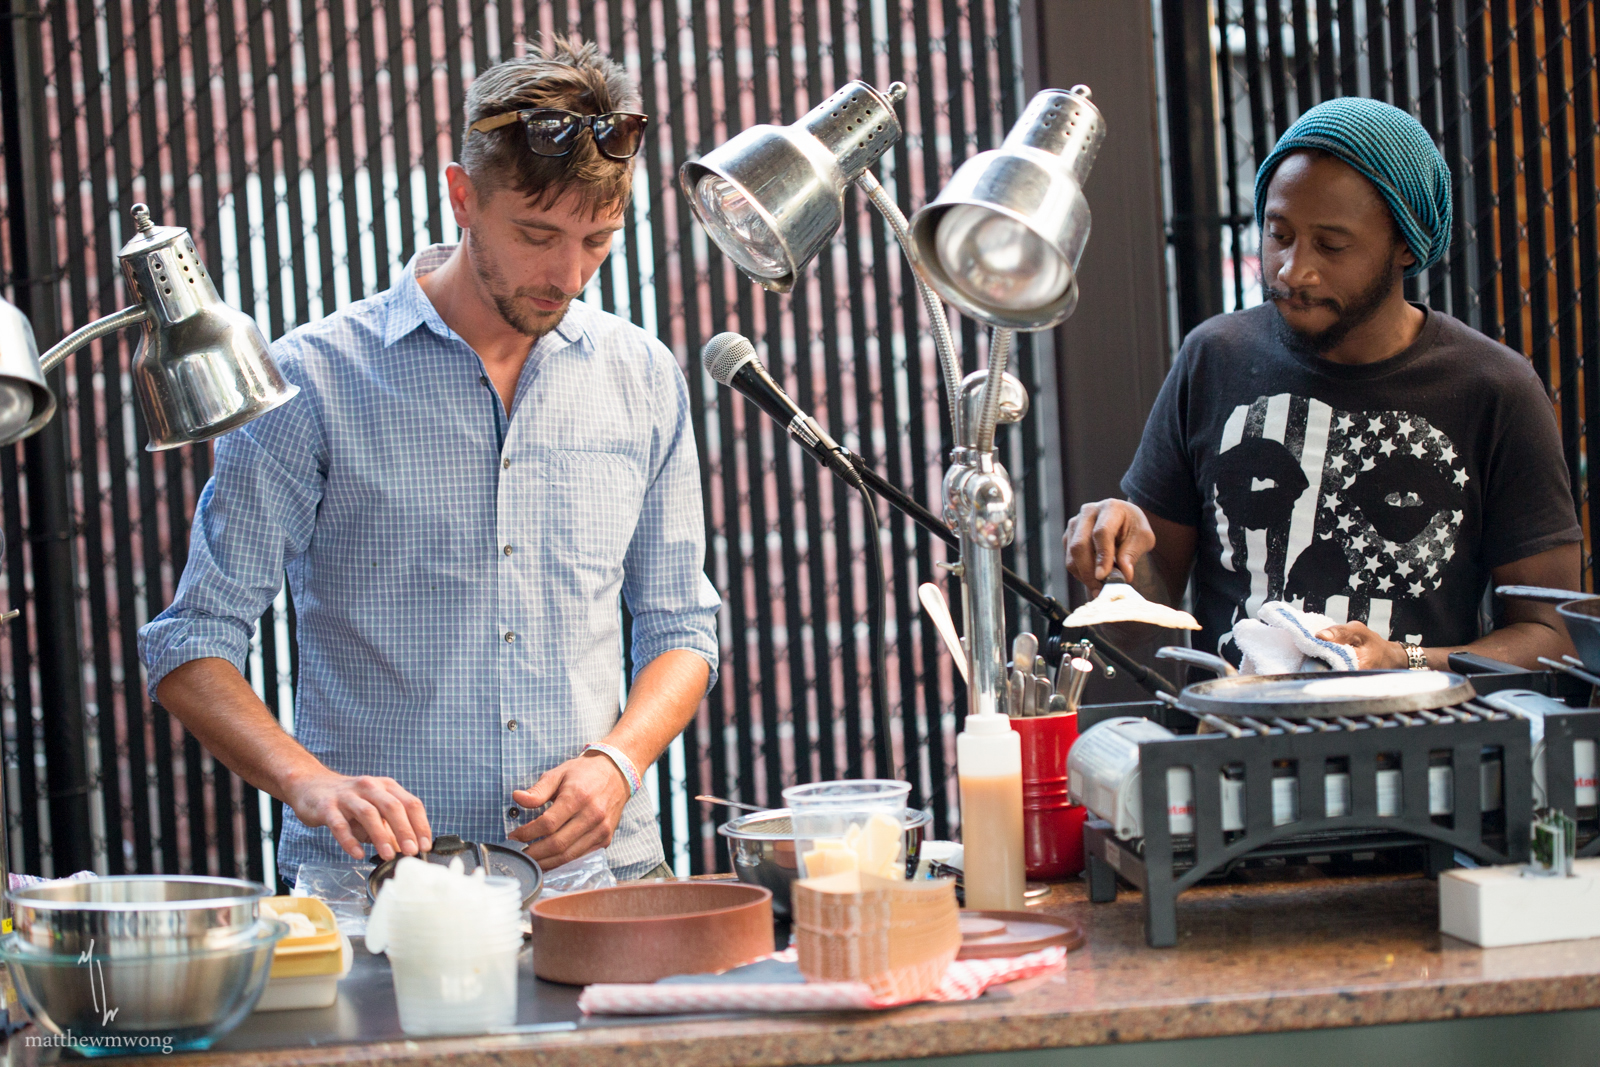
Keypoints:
pixel 1052 827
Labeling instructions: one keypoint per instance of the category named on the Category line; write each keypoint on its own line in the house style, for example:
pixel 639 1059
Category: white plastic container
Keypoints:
pixel 989 765
pixel 1533 706
pixel 1496 906
pixel 308 991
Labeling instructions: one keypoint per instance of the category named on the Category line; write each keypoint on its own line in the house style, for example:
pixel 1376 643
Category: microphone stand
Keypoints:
pixel 1048 606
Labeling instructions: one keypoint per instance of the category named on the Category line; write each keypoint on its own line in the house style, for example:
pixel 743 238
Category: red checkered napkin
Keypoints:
pixel 965 980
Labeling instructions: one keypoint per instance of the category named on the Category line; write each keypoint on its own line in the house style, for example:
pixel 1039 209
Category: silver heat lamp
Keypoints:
pixel 201 369
pixel 26 402
pixel 773 196
pixel 1002 239
pixel 1001 242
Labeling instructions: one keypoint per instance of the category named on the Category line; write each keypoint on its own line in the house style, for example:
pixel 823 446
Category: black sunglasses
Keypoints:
pixel 554 132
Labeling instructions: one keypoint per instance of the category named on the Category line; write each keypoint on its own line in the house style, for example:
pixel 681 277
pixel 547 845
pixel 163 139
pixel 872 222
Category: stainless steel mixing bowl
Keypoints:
pixel 761 846
pixel 149 1004
pixel 135 915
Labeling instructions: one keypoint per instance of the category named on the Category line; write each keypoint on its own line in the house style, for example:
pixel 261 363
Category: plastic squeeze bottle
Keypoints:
pixel 989 766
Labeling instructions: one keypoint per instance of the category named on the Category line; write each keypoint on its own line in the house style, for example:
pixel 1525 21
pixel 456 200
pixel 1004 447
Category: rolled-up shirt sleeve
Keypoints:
pixel 254 516
pixel 673 603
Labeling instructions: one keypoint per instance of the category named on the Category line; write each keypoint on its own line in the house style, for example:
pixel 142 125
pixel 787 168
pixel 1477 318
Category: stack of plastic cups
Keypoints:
pixel 454 961
pixel 1052 826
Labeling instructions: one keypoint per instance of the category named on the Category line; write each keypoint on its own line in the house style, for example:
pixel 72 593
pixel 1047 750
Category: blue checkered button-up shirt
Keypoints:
pixel 455 568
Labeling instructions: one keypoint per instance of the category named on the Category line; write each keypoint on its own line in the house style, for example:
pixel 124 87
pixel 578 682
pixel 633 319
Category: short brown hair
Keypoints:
pixel 569 74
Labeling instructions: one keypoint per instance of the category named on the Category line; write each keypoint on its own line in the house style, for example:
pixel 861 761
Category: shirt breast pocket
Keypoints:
pixel 590 507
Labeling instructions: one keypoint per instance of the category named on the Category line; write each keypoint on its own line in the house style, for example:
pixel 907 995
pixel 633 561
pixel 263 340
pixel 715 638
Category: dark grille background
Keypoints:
pixel 1507 88
pixel 302 142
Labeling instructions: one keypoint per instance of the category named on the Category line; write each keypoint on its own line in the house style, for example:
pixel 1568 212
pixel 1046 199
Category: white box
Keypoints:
pixel 311 991
pixel 1495 906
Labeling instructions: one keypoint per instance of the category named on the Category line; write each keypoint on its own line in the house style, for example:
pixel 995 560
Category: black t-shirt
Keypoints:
pixel 1382 493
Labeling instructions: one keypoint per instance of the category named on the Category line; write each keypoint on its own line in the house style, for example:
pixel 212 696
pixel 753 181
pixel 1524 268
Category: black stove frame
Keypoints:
pixel 1153 866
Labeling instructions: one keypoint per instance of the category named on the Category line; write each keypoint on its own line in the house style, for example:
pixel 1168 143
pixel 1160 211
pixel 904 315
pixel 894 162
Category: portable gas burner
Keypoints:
pixel 1299 766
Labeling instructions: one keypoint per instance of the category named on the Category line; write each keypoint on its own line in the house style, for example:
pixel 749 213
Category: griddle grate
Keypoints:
pixel 1241 725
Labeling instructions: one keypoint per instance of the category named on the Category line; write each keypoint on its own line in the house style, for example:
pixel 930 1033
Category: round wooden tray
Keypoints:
pixel 1020 932
pixel 649 931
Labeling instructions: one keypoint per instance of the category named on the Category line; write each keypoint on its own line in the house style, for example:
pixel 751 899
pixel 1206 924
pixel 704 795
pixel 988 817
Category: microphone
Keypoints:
pixel 730 358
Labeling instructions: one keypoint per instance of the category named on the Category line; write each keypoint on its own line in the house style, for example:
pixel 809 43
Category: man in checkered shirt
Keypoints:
pixel 476 470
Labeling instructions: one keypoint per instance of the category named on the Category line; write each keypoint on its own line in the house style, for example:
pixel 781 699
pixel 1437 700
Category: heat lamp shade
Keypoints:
pixel 26 403
pixel 772 197
pixel 1002 240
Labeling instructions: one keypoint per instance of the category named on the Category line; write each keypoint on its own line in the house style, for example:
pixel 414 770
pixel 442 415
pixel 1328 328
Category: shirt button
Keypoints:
pixel 505 464
pixel 513 811
pixel 508 550
pixel 511 725
pixel 510 637
pixel 483 379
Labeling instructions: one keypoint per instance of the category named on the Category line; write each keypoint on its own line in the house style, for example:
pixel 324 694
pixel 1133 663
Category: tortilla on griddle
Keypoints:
pixel 1121 602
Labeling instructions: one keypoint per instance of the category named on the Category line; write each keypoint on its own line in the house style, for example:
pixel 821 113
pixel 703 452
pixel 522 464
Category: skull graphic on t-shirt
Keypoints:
pixel 1347 513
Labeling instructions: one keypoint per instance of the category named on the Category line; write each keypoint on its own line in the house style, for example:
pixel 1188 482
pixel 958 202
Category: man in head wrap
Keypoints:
pixel 1339 448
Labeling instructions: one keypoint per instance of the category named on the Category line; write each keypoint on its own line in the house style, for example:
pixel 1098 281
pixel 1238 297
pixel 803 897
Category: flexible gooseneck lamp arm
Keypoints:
pixel 938 320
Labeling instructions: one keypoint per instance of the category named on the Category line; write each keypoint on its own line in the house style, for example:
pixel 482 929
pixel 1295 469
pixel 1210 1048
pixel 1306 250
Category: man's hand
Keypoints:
pixel 586 796
pixel 1103 535
pixel 363 808
pixel 1373 653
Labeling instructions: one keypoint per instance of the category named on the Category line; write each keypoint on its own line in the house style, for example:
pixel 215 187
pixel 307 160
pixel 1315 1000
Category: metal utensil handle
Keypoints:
pixel 938 609
pixel 1196 658
pixel 731 803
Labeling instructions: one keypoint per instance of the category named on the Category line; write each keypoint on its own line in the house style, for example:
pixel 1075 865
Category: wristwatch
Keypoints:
pixel 1416 657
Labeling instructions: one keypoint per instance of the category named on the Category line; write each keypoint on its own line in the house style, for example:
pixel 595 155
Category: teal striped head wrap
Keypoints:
pixel 1389 148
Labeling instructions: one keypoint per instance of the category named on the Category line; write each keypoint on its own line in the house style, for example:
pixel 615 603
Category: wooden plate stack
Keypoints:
pixel 898 937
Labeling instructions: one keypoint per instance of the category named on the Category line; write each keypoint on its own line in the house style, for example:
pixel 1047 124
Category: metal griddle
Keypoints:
pixel 1284 696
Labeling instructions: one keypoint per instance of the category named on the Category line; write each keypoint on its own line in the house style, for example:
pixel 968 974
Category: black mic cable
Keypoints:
pixel 731 359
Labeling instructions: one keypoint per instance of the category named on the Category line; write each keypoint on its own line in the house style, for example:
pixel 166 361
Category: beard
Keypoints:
pixel 1356 313
pixel 512 304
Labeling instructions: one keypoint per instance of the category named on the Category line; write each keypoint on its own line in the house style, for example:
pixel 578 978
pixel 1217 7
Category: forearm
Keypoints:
pixel 662 701
pixel 1151 581
pixel 217 706
pixel 1518 643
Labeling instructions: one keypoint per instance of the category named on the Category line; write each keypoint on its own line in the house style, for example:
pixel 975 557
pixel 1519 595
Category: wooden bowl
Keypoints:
pixel 644 932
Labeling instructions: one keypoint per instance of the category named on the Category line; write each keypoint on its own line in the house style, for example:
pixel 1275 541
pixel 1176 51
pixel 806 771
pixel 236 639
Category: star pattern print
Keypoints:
pixel 1351 514
pixel 1379 565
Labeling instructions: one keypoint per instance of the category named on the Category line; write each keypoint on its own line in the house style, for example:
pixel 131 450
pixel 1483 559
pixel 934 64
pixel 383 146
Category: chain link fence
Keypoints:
pixel 1506 88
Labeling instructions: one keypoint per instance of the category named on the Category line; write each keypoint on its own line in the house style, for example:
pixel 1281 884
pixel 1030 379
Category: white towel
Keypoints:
pixel 1282 640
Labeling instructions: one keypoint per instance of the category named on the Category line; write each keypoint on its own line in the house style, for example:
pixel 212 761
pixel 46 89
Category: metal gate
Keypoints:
pixel 302 142
pixel 1507 89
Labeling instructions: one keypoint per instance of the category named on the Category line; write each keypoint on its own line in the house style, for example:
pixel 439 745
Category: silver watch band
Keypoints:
pixel 1416 657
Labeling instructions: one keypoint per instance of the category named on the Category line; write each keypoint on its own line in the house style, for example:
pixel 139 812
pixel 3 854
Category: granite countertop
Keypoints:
pixel 1298 953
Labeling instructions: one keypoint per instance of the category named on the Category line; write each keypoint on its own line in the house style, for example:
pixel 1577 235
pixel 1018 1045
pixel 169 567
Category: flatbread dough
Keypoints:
pixel 1121 602
pixel 1388 684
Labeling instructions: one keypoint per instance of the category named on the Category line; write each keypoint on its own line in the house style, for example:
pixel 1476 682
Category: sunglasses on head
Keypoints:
pixel 554 132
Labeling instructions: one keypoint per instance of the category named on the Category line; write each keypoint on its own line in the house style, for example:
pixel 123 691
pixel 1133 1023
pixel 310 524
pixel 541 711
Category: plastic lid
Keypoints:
pixel 987 725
